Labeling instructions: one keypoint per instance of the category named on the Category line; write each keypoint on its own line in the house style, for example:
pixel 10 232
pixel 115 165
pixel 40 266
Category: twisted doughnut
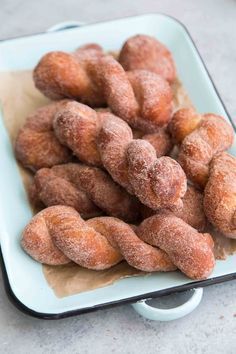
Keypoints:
pixel 142 98
pixel 155 101
pixel 59 75
pixel 86 51
pixel 220 194
pixel 102 242
pixel 158 183
pixel 36 145
pixel 160 140
pixel 192 212
pixel 51 188
pixel 80 132
pixel 81 187
pixel 58 234
pixel 146 52
pixel 190 251
pixel 210 135
pixel 183 122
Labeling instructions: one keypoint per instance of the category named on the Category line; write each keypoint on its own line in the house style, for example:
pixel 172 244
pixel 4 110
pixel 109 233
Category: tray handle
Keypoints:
pixel 156 314
pixel 65 25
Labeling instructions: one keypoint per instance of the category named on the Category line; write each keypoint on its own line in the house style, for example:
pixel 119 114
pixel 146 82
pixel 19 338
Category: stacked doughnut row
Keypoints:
pixel 101 158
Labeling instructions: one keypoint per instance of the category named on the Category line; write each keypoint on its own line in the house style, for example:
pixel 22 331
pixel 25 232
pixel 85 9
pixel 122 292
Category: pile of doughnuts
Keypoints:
pixel 104 172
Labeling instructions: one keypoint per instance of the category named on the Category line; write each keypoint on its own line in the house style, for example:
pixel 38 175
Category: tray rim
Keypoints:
pixel 159 293
pixel 210 281
pixel 142 15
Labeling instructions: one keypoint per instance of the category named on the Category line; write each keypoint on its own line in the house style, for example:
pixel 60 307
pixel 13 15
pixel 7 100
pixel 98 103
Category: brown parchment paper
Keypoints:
pixel 19 98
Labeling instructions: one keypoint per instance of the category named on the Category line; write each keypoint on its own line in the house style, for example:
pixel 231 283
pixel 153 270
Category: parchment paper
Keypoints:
pixel 18 98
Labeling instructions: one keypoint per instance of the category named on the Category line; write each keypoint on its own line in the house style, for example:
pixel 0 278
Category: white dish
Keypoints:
pixel 24 279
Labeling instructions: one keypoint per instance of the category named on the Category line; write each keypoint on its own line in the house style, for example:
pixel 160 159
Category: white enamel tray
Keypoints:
pixel 23 277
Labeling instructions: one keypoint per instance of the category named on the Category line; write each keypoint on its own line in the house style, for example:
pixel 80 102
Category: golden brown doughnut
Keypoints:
pixel 61 75
pixel 192 212
pixel 157 182
pixel 36 145
pixel 102 242
pixel 85 52
pixel 165 180
pixel 155 101
pixel 79 129
pixel 142 98
pixel 54 189
pixel 83 187
pixel 113 140
pixel 161 141
pixel 137 253
pixel 190 251
pixel 220 194
pixel 37 242
pixel 98 243
pixel 210 135
pixel 183 122
pixel 146 52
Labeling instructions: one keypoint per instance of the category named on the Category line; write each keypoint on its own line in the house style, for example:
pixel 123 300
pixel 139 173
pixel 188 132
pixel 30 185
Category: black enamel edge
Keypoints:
pixel 48 316
pixel 198 284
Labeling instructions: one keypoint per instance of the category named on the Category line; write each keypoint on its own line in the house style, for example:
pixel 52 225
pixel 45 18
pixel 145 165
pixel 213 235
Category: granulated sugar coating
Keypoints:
pixel 88 51
pixel 192 212
pixel 36 145
pixel 158 183
pixel 137 253
pixel 53 188
pixel 77 126
pixel 88 189
pixel 97 244
pixel 102 242
pixel 146 52
pixel 140 97
pixel 132 163
pixel 220 194
pixel 183 122
pixel 100 138
pixel 37 242
pixel 155 99
pixel 190 251
pixel 212 136
pixel 61 75
pixel 78 241
pixel 160 140
pixel 114 137
pixel 113 81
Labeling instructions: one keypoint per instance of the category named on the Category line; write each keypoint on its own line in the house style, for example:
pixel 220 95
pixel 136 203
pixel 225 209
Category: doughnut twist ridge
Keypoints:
pixel 142 98
pixel 82 138
pixel 88 189
pixel 210 135
pixel 157 182
pixel 192 212
pixel 58 234
pixel 59 75
pixel 220 194
pixel 36 145
pixel 189 250
pixel 146 52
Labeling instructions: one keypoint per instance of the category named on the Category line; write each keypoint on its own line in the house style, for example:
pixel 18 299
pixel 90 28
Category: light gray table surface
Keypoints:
pixel 212 327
